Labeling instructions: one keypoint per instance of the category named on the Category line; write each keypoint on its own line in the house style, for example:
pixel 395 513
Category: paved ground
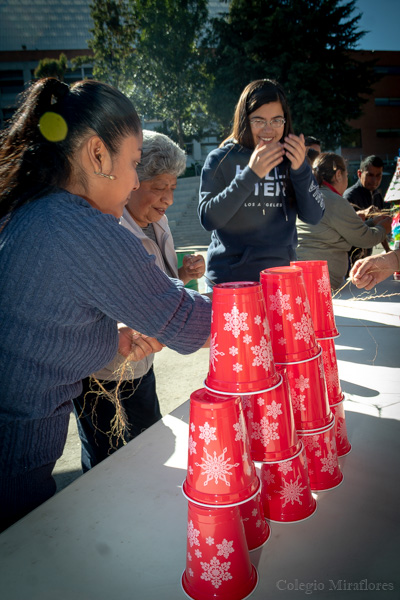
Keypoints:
pixel 177 377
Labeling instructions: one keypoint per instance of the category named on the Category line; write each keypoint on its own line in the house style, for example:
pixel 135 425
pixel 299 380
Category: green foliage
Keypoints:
pixel 149 50
pixel 171 82
pixel 115 35
pixel 51 67
pixel 305 45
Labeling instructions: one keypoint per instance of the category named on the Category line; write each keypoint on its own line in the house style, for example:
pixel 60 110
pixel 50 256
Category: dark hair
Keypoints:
pixel 371 161
pixel 325 166
pixel 256 94
pixel 30 164
pixel 311 155
pixel 310 140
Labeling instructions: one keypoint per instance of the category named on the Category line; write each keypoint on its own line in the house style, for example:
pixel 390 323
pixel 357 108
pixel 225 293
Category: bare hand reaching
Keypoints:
pixel 135 345
pixel 367 272
pixel 193 267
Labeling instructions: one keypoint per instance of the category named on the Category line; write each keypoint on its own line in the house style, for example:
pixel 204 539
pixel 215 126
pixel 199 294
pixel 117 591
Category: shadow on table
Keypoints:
pixel 357 390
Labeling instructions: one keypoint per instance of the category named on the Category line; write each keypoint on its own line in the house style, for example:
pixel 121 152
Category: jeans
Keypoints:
pixel 94 413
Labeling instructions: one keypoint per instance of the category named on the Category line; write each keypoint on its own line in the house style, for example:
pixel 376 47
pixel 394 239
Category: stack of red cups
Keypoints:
pixel 317 282
pixel 220 478
pixel 297 352
pixel 241 361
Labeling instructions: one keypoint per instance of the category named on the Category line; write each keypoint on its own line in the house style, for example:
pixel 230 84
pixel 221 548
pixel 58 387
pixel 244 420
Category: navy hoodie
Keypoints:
pixel 253 222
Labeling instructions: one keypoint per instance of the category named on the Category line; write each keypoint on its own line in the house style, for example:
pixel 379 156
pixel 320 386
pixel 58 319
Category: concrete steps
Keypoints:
pixel 182 216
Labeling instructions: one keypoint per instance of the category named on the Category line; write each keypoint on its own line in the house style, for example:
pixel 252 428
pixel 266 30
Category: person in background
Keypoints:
pixel 365 192
pixel 144 216
pixel 313 143
pixel 366 198
pixel 68 163
pixel 368 272
pixel 253 186
pixel 340 228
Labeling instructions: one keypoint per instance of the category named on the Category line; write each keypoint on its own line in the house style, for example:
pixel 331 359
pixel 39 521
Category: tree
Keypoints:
pixel 51 67
pixel 171 82
pixel 149 50
pixel 304 44
pixel 115 35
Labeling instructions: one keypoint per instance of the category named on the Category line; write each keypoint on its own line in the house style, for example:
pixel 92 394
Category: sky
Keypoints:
pixel 382 19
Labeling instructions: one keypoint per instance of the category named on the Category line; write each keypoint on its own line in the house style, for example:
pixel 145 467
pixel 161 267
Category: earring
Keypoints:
pixel 112 177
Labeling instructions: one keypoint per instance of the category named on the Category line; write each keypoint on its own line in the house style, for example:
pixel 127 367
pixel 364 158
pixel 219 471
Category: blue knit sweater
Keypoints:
pixel 63 268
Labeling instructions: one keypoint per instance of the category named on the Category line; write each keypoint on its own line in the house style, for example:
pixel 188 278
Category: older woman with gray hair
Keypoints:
pixel 161 164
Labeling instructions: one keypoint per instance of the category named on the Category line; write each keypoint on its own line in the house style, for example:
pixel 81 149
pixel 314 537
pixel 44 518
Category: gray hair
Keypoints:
pixel 160 155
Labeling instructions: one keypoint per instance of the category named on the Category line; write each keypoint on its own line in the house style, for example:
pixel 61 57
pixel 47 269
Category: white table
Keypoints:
pixel 119 532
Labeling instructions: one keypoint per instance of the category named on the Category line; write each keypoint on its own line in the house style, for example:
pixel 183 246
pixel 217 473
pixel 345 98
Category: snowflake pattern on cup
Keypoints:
pixel 279 302
pixel 225 549
pixel 193 534
pixel 236 321
pixel 265 431
pixel 324 285
pixel 304 329
pixel 216 572
pixel 207 433
pixel 216 468
pixel 292 491
pixel 262 354
pixel 214 352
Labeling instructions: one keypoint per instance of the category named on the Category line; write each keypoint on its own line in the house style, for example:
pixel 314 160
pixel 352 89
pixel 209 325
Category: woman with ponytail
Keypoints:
pixel 341 227
pixel 69 273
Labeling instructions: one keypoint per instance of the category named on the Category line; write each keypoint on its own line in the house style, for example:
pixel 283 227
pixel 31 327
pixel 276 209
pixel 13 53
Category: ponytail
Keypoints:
pixel 325 166
pixel 53 120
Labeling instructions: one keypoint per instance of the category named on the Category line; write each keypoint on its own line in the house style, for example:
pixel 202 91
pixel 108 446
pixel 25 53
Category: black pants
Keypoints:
pixel 94 413
pixel 19 495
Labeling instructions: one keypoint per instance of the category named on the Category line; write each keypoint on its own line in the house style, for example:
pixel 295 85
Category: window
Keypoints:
pixel 388 133
pixel 11 82
pixel 389 70
pixel 387 101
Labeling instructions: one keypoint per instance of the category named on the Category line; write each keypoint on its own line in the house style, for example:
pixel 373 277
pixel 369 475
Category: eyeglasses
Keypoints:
pixel 275 123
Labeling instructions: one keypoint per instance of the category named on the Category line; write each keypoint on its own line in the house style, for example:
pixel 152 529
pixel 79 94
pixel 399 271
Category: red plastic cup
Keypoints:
pixel 288 311
pixel 343 445
pixel 220 469
pixel 270 423
pixel 241 358
pixel 285 490
pixel 318 286
pixel 322 458
pixel 256 528
pixel 332 380
pixel 218 564
pixel 308 393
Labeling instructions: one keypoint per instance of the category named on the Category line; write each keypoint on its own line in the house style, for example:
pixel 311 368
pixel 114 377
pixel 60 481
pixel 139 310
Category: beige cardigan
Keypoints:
pixel 339 229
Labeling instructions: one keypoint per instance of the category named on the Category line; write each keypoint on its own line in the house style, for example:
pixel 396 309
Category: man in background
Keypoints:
pixel 365 192
pixel 366 198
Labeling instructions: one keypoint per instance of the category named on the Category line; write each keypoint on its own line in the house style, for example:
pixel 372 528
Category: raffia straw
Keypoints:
pixel 118 424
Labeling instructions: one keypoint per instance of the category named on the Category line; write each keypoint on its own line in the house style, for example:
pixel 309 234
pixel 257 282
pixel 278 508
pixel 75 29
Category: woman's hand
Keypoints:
pixel 295 150
pixel 367 272
pixel 135 345
pixel 193 267
pixel 266 157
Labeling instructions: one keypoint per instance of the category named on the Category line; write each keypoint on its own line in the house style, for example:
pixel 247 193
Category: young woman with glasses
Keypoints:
pixel 254 185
